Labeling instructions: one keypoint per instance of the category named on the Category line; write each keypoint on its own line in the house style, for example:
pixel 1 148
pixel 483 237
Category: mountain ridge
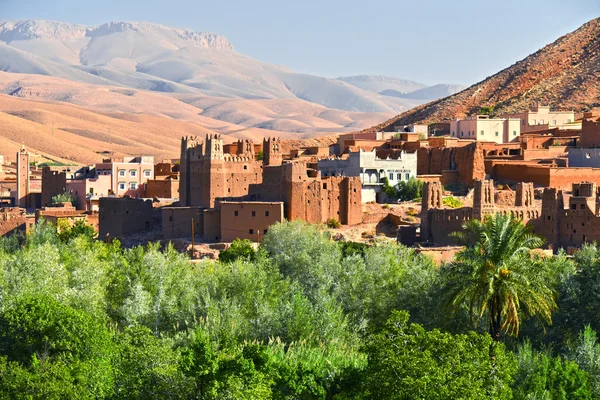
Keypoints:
pixel 562 74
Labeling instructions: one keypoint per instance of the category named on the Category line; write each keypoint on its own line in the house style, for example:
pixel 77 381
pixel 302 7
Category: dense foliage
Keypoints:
pixel 410 189
pixel 302 317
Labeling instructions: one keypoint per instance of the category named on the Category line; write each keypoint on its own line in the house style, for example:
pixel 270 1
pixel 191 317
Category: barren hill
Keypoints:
pixel 563 75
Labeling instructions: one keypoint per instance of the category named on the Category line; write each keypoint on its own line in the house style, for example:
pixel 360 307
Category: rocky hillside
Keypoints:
pixel 563 75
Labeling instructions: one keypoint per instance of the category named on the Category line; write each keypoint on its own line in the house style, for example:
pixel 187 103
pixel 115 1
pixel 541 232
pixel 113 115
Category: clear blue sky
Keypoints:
pixel 431 41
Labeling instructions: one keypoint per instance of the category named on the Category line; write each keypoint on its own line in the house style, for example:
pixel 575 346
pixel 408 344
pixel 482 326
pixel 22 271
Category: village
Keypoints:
pixel 541 165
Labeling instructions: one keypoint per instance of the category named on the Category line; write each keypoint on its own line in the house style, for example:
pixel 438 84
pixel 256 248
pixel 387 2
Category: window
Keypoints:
pixel 121 185
pixel 132 173
pixel 266 213
pixel 235 213
pixel 121 172
pixel 569 121
pixel 254 213
pixel 265 232
pixel 522 122
pixel 324 186
pixel 482 132
pixel 452 133
pixel 496 133
pixel 132 185
pixel 534 122
pixel 147 173
pixel 514 133
pixel 541 122
pixel 407 176
pixel 462 133
pixel 398 176
pixel 553 122
pixel 251 231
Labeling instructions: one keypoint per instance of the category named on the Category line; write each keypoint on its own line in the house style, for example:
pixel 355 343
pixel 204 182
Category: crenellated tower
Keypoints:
pixel 272 152
pixel 524 195
pixel 432 198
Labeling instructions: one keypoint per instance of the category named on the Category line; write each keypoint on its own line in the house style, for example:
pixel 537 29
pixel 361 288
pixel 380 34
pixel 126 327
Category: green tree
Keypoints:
pixel 497 274
pixel 239 249
pixel 389 190
pixel 405 361
pixel 541 376
pixel 148 368
pixel 585 351
pixel 37 332
pixel 66 231
pixel 409 190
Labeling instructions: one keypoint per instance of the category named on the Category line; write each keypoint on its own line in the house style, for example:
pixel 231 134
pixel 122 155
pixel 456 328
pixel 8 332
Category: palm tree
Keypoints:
pixel 497 274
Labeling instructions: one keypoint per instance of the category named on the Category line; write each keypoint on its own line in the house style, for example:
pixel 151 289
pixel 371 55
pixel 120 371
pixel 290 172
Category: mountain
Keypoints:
pixel 564 75
pixel 378 83
pixel 427 93
pixel 154 57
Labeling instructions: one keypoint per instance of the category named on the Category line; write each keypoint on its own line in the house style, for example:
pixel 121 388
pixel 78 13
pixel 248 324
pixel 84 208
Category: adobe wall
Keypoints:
pixel 248 220
pixel 177 221
pixel 123 216
pixel 590 134
pixel 467 160
pixel 162 189
pixel 212 225
pixel 12 220
pixel 53 183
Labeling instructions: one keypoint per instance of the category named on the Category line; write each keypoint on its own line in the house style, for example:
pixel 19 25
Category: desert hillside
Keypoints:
pixel 564 75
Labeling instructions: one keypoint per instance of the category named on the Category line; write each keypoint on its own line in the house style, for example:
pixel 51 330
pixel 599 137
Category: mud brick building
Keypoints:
pixel 210 178
pixel 122 216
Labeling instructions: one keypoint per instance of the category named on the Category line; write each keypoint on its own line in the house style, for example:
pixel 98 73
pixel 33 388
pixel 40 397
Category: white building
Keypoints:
pixel 371 170
pixel 486 129
pixel 542 117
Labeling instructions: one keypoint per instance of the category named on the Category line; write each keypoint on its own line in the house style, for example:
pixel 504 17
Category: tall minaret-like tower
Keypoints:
pixel 22 178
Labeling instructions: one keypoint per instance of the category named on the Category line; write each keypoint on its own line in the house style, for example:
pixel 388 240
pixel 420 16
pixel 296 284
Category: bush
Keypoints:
pixel 61 198
pixel 239 249
pixel 452 202
pixel 409 190
pixel 333 223
pixel 389 190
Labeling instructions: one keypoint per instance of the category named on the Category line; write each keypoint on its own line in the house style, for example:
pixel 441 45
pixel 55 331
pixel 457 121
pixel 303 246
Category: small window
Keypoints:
pixel 324 186
pixel 522 122
pixel 254 213
pixel 147 173
pixel 122 172
pixel 583 206
pixel 541 122
pixel 266 213
pixel 132 186
pixel 573 206
pixel 568 121
pixel 587 155
pixel 407 176
pixel 462 133
pixel 496 133
pixel 121 185
pixel 452 133
pixel 514 133
pixel 171 218
pixel 265 232
pixel 235 213
pixel 398 177
pixel 133 173
pixel 483 132
pixel 245 167
pixel 534 122
pixel 553 122
pixel 251 231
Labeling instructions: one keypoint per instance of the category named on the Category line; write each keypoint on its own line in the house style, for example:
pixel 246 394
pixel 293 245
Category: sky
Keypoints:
pixel 429 41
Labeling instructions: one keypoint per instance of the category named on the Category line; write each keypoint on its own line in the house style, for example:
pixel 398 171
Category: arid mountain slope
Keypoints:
pixel 563 75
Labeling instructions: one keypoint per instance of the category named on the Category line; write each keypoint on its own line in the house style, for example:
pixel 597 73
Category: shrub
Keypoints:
pixel 389 190
pixel 333 223
pixel 452 202
pixel 409 190
pixel 239 249
pixel 412 212
pixel 61 198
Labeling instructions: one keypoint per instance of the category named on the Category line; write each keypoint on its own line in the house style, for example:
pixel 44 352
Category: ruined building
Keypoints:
pixel 562 224
pixel 437 222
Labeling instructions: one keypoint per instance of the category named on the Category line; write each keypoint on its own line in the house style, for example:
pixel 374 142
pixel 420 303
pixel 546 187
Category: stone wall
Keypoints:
pixel 122 216
pixel 248 220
